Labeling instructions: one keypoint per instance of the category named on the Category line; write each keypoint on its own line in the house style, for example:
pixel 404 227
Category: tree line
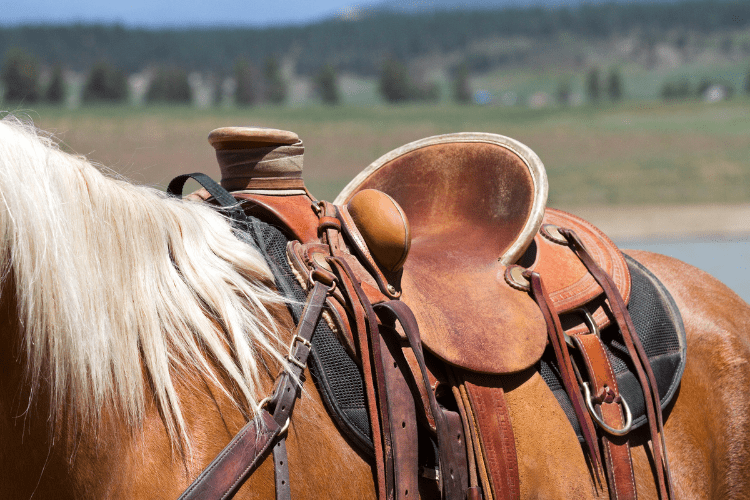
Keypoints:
pixel 362 45
pixel 21 82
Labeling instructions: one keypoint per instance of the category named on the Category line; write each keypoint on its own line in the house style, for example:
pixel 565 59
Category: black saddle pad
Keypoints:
pixel 659 326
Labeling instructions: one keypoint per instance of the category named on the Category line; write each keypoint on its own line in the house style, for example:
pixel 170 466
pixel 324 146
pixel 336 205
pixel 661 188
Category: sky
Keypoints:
pixel 156 13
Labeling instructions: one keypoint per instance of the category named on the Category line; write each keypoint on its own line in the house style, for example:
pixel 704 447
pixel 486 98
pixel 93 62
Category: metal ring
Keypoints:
pixel 286 426
pixel 611 430
pixel 588 318
pixel 264 401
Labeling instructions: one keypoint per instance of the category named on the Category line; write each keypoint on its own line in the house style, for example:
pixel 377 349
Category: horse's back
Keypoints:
pixel 707 425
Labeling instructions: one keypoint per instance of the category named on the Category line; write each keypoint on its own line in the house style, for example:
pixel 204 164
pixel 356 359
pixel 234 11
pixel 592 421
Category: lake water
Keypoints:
pixel 727 259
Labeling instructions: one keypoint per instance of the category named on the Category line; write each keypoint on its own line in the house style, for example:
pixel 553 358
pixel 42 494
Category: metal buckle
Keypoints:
pixel 611 430
pixel 290 356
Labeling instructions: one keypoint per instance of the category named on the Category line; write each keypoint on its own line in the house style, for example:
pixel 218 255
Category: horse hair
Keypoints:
pixel 116 281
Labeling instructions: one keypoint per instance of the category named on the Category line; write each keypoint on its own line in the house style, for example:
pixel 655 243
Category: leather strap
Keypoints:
pixel 372 371
pixel 453 461
pixel 607 397
pixel 403 418
pixel 495 431
pixel 221 195
pixel 281 471
pixel 640 361
pixel 567 373
pixel 231 468
pixel 228 471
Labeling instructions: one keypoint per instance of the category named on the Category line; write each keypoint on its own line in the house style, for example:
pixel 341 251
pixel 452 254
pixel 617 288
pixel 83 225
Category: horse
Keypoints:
pixel 139 335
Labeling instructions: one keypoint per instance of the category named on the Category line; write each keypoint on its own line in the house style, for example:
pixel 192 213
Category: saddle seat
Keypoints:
pixel 476 203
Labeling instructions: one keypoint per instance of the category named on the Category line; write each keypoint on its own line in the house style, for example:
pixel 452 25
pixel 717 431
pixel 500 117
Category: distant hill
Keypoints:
pixel 423 6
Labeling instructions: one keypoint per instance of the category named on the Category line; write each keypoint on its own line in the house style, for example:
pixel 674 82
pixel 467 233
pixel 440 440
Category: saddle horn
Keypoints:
pixel 258 159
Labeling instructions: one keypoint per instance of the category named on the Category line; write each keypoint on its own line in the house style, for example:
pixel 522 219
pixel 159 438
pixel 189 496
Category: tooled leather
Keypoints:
pixel 495 431
pixel 568 282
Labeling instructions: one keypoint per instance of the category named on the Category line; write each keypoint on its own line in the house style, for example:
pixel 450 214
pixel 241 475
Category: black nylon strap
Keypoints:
pixel 221 195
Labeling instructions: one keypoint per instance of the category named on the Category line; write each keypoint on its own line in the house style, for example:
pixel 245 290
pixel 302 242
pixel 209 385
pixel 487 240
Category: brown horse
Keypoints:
pixel 138 335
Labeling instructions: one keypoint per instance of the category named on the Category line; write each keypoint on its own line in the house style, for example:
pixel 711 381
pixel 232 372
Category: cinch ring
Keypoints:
pixel 611 430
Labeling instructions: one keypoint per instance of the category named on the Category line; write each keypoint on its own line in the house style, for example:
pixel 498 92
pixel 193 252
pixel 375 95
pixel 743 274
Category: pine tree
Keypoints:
pixel 327 85
pixel 20 76
pixel 275 85
pixel 614 85
pixel 245 92
pixel 563 92
pixel 105 83
pixel 461 88
pixel 56 90
pixel 593 87
pixel 169 85
pixel 395 85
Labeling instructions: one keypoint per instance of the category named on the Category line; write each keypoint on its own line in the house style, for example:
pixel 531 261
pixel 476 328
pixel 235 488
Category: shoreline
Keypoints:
pixel 710 221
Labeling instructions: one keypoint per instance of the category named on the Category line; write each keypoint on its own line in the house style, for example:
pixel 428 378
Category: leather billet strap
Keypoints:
pixel 608 403
pixel 640 361
pixel 231 468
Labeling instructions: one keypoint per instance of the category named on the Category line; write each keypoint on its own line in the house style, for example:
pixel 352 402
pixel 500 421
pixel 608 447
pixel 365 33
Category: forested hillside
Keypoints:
pixel 361 45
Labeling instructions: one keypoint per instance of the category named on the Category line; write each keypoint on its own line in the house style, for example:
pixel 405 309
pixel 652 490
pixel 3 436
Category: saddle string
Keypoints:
pixel 565 364
pixel 637 353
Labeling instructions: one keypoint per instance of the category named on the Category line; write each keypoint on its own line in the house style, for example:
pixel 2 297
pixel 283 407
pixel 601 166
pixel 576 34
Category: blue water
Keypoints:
pixel 727 259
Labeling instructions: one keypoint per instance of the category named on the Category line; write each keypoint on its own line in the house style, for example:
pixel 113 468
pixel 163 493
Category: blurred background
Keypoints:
pixel 640 110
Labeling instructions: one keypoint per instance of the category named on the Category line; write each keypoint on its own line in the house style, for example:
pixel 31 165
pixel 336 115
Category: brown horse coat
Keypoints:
pixel 706 429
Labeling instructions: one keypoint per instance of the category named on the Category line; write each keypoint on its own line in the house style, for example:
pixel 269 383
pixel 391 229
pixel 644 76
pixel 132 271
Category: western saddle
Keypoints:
pixel 440 270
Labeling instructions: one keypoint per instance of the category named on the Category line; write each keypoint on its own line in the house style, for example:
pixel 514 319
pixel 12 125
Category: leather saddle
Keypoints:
pixel 476 203
pixel 456 228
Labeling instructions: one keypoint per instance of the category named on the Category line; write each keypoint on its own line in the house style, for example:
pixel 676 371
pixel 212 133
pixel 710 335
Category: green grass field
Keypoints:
pixel 635 153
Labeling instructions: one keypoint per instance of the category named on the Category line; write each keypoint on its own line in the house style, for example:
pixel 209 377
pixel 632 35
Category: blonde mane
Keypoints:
pixel 120 287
